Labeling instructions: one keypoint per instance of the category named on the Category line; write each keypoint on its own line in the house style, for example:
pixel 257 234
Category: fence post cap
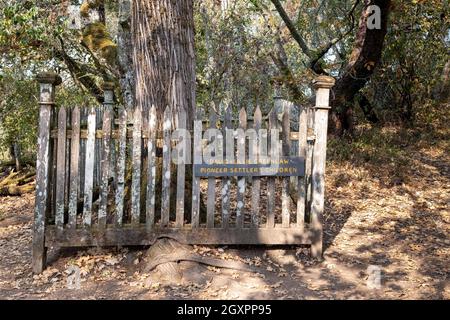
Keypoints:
pixel 49 77
pixel 108 85
pixel 277 91
pixel 324 82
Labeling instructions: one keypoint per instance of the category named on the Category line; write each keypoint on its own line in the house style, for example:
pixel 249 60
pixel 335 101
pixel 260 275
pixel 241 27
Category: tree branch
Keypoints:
pixel 324 50
pixel 290 25
pixel 288 78
pixel 80 74
pixel 314 57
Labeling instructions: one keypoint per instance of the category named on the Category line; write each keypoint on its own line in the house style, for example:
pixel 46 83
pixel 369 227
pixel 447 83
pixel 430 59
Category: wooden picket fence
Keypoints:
pixel 98 170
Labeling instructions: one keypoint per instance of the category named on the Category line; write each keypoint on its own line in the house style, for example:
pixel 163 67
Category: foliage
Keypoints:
pixel 233 63
pixel 33 34
pixel 415 55
pixel 18 113
pixel 244 54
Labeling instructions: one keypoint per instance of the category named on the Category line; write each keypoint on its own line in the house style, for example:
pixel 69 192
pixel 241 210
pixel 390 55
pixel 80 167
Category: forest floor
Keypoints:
pixel 387 207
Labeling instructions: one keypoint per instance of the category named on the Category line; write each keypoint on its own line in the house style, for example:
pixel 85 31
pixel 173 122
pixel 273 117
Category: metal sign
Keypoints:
pixel 284 167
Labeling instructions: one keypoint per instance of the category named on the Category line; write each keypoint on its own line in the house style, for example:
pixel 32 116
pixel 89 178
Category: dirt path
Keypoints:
pixel 391 217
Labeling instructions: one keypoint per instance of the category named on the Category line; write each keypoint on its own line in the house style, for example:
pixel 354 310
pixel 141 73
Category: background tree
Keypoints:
pixel 363 59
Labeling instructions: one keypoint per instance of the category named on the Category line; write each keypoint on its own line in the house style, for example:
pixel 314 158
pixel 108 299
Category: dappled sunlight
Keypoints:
pixel 223 149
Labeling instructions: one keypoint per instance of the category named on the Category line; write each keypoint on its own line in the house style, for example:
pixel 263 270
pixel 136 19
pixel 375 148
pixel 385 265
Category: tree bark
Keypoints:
pixel 164 56
pixel 365 56
pixel 367 108
pixel 164 73
pixel 163 59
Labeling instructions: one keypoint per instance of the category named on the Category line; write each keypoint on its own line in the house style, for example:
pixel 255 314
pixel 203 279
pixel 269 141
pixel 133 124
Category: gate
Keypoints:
pixel 105 177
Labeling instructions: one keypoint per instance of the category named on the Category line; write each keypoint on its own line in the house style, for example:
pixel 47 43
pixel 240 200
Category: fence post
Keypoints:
pixel 323 85
pixel 105 165
pixel 48 82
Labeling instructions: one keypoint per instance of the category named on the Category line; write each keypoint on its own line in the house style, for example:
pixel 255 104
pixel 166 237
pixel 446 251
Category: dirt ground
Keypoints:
pixel 382 213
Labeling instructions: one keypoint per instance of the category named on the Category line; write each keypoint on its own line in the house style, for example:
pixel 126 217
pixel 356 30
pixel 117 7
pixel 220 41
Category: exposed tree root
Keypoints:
pixel 165 254
pixel 176 257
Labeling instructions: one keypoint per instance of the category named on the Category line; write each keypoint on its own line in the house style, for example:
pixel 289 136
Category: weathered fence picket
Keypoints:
pixel 82 165
pixel 74 168
pixel 166 168
pixel 198 130
pixel 60 169
pixel 256 181
pixel 285 197
pixel 99 113
pixel 211 203
pixel 136 179
pixel 106 155
pixel 89 169
pixel 302 149
pixel 241 158
pixel 151 180
pixel 53 166
pixel 274 147
pixel 84 111
pixel 181 170
pixel 120 192
pixel 308 162
pixel 229 158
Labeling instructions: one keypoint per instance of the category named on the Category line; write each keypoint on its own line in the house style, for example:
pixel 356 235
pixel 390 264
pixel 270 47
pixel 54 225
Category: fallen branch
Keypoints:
pixel 10 179
pixel 15 191
pixel 18 183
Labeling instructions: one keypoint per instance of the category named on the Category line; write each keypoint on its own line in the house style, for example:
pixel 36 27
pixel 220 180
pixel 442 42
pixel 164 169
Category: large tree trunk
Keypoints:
pixel 164 56
pixel 365 57
pixel 162 34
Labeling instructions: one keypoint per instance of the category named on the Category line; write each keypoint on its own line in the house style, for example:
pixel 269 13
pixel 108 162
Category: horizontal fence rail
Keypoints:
pixel 106 176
